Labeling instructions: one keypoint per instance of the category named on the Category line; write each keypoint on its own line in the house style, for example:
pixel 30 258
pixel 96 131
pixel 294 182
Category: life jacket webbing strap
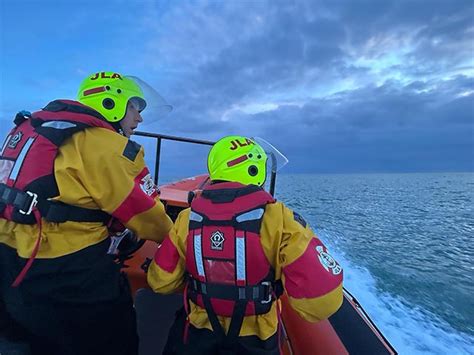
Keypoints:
pixel 216 325
pixel 59 212
pixel 236 323
pixel 52 211
pixel 186 311
pixel 21 200
pixel 32 257
pixel 238 314
pixel 259 293
pixel 279 325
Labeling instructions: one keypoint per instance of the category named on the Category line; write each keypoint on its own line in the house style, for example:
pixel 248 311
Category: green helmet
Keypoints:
pixel 238 159
pixel 109 94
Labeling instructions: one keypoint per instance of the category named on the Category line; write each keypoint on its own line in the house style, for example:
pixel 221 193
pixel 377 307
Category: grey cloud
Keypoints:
pixel 385 128
pixel 308 45
pixel 291 49
pixel 217 57
pixel 393 127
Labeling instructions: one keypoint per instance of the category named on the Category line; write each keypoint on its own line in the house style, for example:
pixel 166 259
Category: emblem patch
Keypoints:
pixel 131 150
pixel 327 261
pixel 217 240
pixel 15 140
pixel 147 185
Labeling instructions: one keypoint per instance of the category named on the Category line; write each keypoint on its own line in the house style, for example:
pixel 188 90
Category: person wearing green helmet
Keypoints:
pixel 118 99
pixel 70 177
pixel 237 159
pixel 234 252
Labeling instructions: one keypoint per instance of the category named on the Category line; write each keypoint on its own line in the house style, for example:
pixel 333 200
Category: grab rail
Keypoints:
pixel 160 137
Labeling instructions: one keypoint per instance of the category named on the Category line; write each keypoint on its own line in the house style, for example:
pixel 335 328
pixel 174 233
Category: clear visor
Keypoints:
pixel 155 106
pixel 276 160
pixel 137 103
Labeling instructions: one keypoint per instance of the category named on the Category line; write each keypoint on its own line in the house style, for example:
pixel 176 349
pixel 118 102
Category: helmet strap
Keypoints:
pixel 117 127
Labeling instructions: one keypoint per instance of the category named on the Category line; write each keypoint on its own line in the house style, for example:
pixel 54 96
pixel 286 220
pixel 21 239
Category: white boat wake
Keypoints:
pixel 410 329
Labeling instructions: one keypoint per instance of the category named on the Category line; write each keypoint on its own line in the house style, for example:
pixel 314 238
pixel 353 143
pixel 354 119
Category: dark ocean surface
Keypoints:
pixel 405 242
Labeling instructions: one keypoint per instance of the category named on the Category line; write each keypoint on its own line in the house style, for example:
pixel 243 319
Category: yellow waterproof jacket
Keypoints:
pixel 310 277
pixel 96 168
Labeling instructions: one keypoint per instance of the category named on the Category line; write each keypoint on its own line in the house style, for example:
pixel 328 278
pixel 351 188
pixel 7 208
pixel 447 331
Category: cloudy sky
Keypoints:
pixel 338 86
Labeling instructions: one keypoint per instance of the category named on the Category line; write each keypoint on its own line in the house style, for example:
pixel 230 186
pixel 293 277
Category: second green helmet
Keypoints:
pixel 109 94
pixel 238 159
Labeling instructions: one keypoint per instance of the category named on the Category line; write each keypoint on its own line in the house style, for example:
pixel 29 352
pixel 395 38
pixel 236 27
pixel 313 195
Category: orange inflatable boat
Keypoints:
pixel 348 331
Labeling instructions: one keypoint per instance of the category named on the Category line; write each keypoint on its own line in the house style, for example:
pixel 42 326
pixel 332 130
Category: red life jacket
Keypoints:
pixel 27 163
pixel 229 274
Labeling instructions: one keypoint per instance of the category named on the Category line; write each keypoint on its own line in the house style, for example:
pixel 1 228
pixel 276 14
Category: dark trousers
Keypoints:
pixel 205 342
pixel 73 305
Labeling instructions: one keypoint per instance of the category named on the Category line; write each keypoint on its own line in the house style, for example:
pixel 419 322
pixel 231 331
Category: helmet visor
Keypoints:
pixel 137 103
pixel 154 107
pixel 276 160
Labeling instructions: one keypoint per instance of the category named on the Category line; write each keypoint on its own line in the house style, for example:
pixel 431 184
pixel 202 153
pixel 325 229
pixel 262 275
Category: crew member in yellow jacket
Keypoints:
pixel 234 252
pixel 68 175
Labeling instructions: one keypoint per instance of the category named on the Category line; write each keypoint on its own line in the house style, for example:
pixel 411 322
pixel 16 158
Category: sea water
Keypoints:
pixel 405 243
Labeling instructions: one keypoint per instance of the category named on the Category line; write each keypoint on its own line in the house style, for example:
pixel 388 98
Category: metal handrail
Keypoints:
pixel 160 137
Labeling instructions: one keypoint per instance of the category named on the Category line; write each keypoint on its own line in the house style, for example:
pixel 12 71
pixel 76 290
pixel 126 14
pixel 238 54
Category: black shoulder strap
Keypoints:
pixel 229 195
pixel 58 105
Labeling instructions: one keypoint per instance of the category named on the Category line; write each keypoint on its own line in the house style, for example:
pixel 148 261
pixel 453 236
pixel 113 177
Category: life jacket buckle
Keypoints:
pixel 30 205
pixel 270 292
